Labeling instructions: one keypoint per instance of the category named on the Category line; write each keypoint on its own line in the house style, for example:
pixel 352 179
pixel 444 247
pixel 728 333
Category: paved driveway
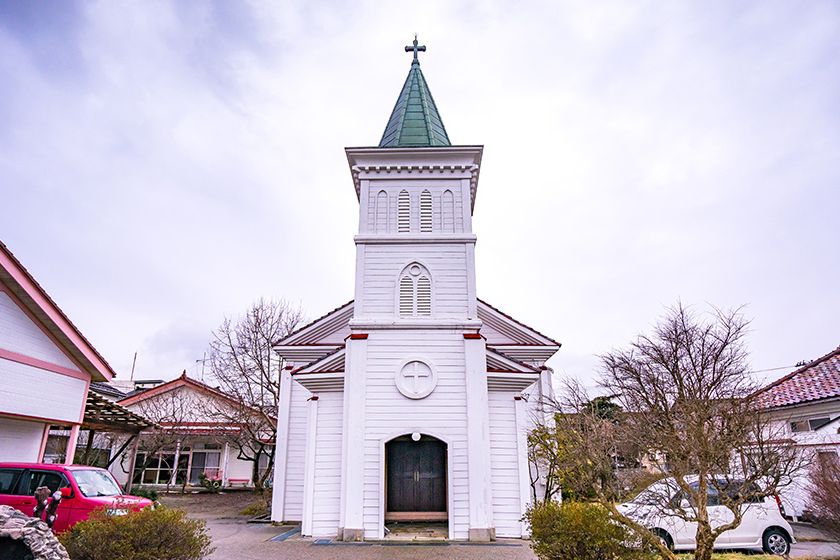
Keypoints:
pixel 235 540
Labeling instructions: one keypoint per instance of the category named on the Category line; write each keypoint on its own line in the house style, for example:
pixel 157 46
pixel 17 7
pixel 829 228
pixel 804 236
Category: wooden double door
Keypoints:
pixel 416 480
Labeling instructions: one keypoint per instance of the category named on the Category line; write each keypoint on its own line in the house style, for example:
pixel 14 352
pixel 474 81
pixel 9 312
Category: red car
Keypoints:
pixel 83 490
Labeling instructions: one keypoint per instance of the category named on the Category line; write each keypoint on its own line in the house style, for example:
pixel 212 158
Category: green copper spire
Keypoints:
pixel 415 120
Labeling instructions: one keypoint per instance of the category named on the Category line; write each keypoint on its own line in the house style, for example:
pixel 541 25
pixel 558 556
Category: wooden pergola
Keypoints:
pixel 102 415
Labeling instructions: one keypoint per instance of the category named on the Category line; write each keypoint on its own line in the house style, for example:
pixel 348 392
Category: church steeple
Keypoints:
pixel 415 121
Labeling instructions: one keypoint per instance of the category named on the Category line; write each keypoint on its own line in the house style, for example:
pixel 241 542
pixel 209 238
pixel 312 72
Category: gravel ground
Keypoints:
pixel 211 506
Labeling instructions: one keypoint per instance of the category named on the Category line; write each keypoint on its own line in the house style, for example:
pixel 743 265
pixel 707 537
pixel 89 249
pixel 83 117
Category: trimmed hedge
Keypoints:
pixel 579 531
pixel 150 534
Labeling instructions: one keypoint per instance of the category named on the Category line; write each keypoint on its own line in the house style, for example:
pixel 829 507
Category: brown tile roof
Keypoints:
pixel 815 381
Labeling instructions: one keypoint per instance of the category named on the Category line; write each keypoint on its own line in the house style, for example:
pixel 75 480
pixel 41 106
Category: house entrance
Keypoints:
pixel 415 479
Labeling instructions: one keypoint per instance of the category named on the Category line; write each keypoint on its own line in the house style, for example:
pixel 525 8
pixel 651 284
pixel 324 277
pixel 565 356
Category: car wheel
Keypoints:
pixel 776 542
pixel 664 538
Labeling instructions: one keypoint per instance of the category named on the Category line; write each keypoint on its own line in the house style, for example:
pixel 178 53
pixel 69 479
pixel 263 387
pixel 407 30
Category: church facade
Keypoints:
pixel 411 402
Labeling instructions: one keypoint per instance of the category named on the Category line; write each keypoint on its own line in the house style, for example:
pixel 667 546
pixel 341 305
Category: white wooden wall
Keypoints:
pixel 20 441
pixel 30 391
pixel 22 385
pixel 296 454
pixel 388 413
pixel 504 465
pixel 447 264
pixel 18 333
pixel 327 487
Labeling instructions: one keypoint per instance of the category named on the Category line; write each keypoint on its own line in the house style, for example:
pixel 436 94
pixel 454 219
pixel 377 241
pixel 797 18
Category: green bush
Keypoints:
pixel 578 531
pixel 144 492
pixel 150 534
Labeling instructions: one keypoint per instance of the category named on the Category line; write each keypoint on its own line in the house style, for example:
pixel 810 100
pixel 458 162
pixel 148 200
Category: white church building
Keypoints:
pixel 412 402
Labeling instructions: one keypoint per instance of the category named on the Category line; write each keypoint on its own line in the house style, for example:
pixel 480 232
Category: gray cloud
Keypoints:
pixel 165 164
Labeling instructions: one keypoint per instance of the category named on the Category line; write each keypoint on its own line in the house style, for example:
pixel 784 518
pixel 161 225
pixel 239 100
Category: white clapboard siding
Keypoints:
pixel 388 413
pixel 18 333
pixel 504 465
pixel 20 441
pixel 296 453
pixel 327 488
pixel 29 391
pixel 447 264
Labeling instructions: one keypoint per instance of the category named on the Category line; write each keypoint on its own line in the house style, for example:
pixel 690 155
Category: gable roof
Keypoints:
pixel 318 329
pixel 26 289
pixel 182 381
pixel 516 331
pixel 107 390
pixel 415 120
pixel 815 381
pixel 323 338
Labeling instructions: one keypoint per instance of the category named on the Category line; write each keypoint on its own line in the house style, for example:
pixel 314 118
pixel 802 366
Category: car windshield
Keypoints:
pixel 94 483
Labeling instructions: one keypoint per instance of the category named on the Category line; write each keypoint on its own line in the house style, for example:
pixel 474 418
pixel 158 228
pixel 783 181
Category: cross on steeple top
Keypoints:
pixel 415 48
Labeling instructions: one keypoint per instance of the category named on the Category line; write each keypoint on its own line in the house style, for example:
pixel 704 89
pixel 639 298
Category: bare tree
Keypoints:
pixel 243 364
pixel 824 499
pixel 687 403
pixel 171 411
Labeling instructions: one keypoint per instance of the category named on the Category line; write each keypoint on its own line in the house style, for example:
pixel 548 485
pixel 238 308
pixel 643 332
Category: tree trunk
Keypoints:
pixel 705 540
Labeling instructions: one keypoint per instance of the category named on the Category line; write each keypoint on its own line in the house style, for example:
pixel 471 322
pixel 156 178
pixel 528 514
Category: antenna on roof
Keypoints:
pixel 133 363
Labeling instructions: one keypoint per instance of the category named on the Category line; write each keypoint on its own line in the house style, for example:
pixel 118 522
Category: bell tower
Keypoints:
pixel 415 364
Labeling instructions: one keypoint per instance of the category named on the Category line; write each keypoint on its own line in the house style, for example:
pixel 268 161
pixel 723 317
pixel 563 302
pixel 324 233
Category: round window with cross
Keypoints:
pixel 416 379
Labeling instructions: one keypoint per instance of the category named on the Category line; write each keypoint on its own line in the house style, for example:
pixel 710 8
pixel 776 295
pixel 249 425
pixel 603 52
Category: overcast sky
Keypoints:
pixel 163 165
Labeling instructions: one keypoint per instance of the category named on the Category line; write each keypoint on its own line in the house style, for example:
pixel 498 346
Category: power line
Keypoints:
pixel 772 369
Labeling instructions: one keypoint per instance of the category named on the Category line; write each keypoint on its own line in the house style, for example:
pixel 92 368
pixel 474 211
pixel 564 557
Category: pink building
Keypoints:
pixel 46 366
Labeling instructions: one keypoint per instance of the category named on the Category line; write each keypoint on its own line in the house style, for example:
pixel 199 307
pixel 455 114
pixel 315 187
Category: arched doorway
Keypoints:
pixel 415 480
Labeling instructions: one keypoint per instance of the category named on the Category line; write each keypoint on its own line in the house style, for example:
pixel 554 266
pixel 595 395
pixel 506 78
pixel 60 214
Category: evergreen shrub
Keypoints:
pixel 579 531
pixel 150 534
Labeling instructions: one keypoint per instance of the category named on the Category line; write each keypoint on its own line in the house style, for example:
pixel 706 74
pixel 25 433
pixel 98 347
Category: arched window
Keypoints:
pixel 447 202
pixel 415 292
pixel 381 220
pixel 404 212
pixel 425 212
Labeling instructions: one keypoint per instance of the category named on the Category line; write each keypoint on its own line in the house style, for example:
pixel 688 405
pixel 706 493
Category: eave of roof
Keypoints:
pixel 521 324
pixel 280 341
pixel 24 286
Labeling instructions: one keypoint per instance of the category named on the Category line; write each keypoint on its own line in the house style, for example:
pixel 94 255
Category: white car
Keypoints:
pixel 762 524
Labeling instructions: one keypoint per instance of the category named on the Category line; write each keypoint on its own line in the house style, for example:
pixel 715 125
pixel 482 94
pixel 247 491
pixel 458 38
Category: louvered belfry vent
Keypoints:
pixel 424 296
pixel 425 212
pixel 404 212
pixel 415 292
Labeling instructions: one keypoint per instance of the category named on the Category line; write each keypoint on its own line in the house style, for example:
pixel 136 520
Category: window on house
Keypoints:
pixel 808 425
pixel 425 212
pixel 381 218
pixel 155 468
pixel 205 461
pixel 447 203
pixel 817 423
pixel 404 212
pixel 415 292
